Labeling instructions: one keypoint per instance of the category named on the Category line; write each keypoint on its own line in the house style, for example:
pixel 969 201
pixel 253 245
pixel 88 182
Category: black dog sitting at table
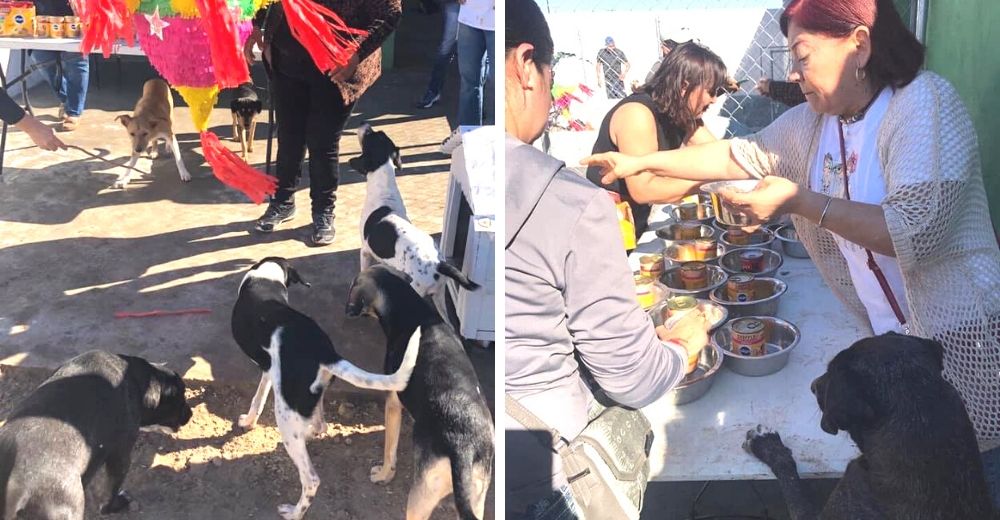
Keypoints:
pixel 919 458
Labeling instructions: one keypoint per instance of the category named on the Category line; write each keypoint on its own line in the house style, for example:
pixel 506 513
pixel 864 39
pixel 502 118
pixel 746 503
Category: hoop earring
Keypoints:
pixel 860 74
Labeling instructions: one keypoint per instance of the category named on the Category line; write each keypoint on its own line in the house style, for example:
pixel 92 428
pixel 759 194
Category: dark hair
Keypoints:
pixel 669 44
pixel 689 66
pixel 897 55
pixel 526 24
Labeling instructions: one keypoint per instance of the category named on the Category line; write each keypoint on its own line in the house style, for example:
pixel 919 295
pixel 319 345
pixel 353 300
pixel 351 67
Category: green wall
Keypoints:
pixel 963 45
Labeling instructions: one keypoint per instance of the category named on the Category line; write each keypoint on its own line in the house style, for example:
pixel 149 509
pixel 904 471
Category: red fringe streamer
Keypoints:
pixel 233 172
pixel 323 34
pixel 223 39
pixel 104 21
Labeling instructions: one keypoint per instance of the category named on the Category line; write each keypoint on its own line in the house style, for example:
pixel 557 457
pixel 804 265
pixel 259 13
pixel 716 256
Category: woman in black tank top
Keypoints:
pixel 664 114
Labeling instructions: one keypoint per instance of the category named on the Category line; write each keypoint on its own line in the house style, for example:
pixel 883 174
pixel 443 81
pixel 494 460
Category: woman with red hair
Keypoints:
pixel 903 236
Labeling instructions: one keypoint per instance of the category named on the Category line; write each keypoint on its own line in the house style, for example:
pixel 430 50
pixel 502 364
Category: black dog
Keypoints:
pixel 452 427
pixel 919 458
pixel 245 106
pixel 86 416
pixel 295 355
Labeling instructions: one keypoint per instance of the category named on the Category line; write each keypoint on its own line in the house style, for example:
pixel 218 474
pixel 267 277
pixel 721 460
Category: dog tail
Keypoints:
pixel 462 485
pixel 361 378
pixel 456 274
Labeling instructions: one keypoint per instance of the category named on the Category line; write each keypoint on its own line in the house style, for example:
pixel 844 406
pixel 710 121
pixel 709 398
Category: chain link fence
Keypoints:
pixel 606 48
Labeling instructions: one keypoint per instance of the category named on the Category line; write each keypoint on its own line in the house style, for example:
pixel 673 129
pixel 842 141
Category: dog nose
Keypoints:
pixel 138 149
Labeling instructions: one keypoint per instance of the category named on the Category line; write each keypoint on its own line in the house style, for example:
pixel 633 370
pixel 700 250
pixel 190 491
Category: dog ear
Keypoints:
pixel 356 304
pixel 936 352
pixel 151 399
pixel 125 120
pixel 844 405
pixel 396 159
pixel 294 277
pixel 358 164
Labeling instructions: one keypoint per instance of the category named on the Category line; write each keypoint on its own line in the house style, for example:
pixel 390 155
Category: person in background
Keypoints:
pixel 881 174
pixel 663 115
pixel 312 109
pixel 612 67
pixel 445 53
pixel 12 114
pixel 476 62
pixel 665 47
pixel 571 310
pixel 71 85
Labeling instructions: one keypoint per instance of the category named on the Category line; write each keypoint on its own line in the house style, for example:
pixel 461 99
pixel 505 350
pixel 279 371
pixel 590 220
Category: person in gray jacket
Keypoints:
pixel 571 312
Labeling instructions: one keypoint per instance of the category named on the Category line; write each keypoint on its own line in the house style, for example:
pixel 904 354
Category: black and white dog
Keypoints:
pixel 85 417
pixel 388 236
pixel 298 358
pixel 919 457
pixel 452 429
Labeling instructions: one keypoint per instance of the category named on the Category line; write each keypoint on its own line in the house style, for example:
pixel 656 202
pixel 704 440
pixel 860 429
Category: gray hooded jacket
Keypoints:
pixel 569 299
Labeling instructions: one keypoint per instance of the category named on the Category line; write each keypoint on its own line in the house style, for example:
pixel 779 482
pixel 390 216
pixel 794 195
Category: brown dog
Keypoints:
pixel 246 106
pixel 151 121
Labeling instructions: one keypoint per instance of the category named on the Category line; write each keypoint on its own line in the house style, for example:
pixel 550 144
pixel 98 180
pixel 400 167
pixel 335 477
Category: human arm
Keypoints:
pixel 703 163
pixel 626 66
pixel 379 18
pixel 701 136
pixel 599 70
pixel 633 131
pixel 614 338
pixel 12 114
pixel 781 91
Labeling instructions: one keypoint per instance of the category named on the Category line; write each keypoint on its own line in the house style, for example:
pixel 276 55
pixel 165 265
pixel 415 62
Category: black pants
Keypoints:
pixel 311 114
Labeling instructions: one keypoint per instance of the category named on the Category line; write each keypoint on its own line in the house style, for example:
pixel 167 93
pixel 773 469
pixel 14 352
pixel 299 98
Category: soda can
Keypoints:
pixel 694 275
pixel 749 337
pixel 752 261
pixel 740 288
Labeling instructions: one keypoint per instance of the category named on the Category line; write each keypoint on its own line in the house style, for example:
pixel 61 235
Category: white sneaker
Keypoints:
pixel 451 142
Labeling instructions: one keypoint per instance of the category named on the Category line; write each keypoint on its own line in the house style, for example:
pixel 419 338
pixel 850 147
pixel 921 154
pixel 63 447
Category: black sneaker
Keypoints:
pixel 273 216
pixel 323 231
pixel 429 100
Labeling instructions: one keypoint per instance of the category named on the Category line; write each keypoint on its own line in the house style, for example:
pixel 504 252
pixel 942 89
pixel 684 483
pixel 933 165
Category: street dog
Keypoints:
pixel 452 426
pixel 245 106
pixel 299 360
pixel 388 236
pixel 919 457
pixel 152 121
pixel 85 417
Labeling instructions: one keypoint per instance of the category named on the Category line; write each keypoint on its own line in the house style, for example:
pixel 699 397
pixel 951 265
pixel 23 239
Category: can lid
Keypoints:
pixel 650 258
pixel 747 325
pixel 682 302
pixel 741 278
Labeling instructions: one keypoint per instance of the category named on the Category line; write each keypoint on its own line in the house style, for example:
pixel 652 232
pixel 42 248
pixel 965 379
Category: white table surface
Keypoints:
pixel 705 436
pixel 62 44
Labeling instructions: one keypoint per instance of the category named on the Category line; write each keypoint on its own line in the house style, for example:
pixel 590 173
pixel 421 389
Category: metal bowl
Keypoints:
pixel 708 210
pixel 766 306
pixel 716 313
pixel 724 212
pixel 760 238
pixel 699 381
pixel 782 339
pixel 670 280
pixel 730 262
pixel 666 233
pixel 790 243
pixel 673 255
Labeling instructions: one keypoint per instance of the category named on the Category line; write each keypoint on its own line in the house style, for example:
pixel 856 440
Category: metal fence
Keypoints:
pixel 591 74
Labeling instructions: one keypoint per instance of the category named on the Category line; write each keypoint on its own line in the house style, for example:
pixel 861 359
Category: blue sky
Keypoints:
pixel 651 5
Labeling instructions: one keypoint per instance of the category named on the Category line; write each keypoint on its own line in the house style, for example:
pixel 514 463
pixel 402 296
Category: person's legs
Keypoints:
pixel 51 72
pixel 488 111
pixel 445 53
pixel 991 468
pixel 291 107
pixel 471 49
pixel 328 115
pixel 76 79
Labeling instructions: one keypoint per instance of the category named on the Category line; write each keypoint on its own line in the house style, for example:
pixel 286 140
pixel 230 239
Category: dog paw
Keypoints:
pixel 382 474
pixel 117 504
pixel 120 184
pixel 185 176
pixel 765 444
pixel 287 511
pixel 315 431
pixel 246 422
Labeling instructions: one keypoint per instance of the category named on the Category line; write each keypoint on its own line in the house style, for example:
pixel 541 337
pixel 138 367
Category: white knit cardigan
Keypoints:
pixel 936 211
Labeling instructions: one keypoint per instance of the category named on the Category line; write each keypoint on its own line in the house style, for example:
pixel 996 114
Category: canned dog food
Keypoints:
pixel 651 265
pixel 740 288
pixel 738 237
pixel 748 337
pixel 56 27
pixel 644 291
pixel 688 211
pixel 71 26
pixel 687 230
pixel 752 261
pixel 42 25
pixel 705 248
pixel 684 251
pixel 694 275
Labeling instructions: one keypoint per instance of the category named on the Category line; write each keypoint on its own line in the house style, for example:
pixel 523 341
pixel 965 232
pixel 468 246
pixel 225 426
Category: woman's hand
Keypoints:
pixel 691 332
pixel 256 38
pixel 773 196
pixel 345 72
pixel 42 135
pixel 764 86
pixel 614 165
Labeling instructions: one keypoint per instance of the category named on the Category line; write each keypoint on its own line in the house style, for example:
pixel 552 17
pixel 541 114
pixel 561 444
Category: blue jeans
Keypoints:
pixel 446 49
pixel 475 65
pixel 991 467
pixel 71 87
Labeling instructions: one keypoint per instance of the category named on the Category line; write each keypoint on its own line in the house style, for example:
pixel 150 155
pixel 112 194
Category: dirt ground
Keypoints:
pixel 212 469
